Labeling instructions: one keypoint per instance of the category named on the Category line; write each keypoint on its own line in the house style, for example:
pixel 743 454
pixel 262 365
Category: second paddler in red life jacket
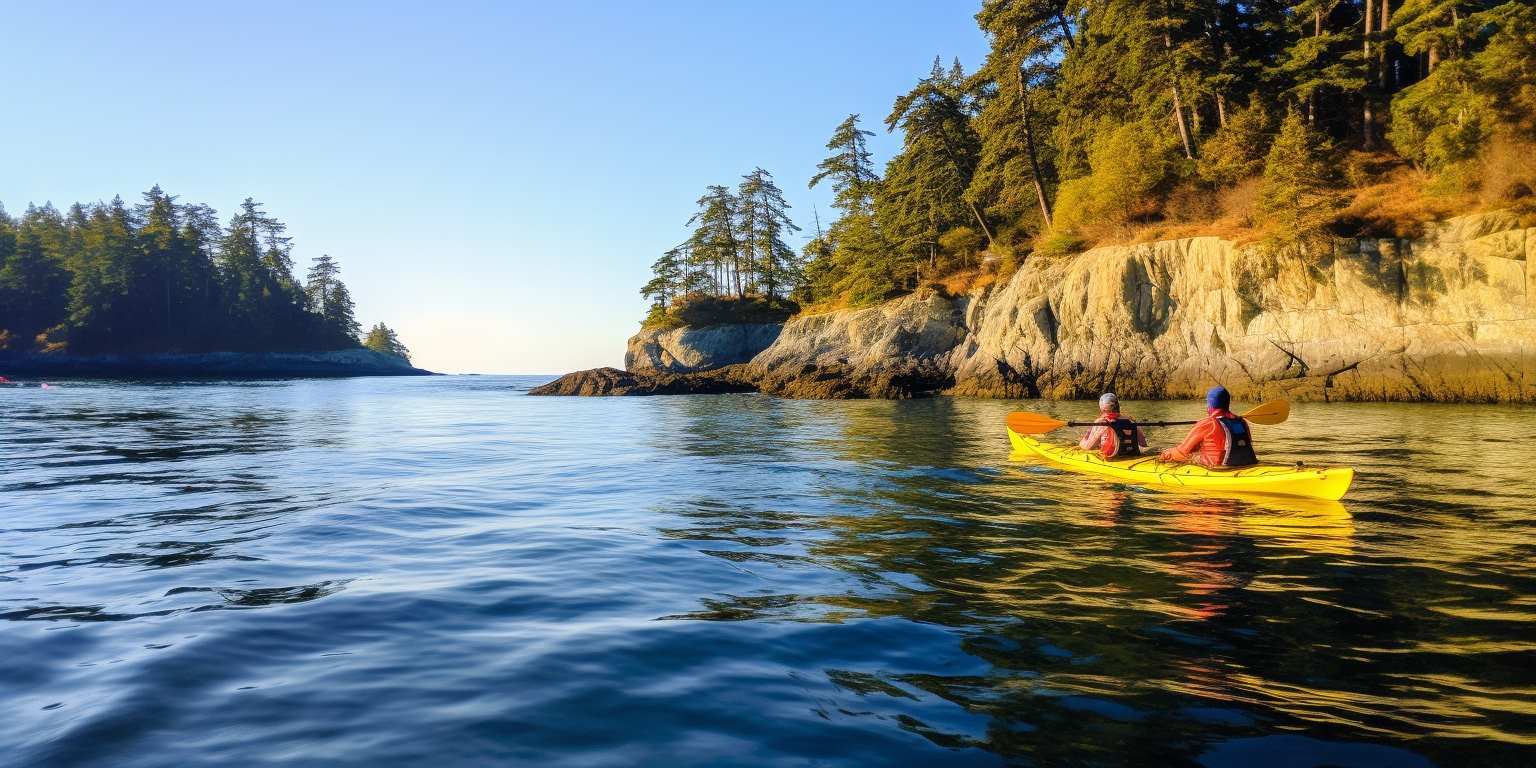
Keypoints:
pixel 1113 435
pixel 1221 439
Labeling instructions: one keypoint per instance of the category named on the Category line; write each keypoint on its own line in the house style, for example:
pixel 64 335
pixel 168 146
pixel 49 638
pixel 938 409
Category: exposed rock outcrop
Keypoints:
pixel 899 349
pixel 612 381
pixel 335 363
pixel 688 349
pixel 1445 317
pixel 1450 316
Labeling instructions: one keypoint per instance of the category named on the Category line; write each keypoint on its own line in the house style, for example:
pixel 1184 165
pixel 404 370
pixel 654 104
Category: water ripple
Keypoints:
pixel 442 571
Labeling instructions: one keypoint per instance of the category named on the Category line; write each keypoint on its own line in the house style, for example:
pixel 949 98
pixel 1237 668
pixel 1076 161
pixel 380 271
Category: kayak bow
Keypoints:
pixel 1330 484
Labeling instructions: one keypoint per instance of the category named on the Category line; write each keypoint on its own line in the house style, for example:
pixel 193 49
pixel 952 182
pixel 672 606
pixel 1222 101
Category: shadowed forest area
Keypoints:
pixel 1114 121
pixel 164 276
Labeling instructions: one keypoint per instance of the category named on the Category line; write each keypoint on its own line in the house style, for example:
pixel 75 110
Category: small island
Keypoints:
pixel 162 289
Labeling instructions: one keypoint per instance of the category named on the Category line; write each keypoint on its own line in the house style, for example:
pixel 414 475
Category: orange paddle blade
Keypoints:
pixel 1026 423
pixel 1272 412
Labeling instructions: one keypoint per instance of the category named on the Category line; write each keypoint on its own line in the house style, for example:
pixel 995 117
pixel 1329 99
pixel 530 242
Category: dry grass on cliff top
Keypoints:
pixel 967 281
pixel 701 310
pixel 1383 196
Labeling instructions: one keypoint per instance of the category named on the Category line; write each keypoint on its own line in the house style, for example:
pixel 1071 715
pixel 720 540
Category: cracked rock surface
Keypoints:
pixel 1449 316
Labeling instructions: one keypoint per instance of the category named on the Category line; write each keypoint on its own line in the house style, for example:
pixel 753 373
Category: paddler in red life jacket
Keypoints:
pixel 1114 436
pixel 1221 439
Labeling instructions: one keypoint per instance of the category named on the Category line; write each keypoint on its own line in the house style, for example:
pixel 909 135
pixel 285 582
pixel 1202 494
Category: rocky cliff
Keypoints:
pixel 688 349
pixel 1449 316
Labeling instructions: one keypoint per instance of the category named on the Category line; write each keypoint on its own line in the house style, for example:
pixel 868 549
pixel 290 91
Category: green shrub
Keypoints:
pixel 1298 193
pixel 1128 165
pixel 1236 151
pixel 962 242
pixel 1060 244
pixel 700 310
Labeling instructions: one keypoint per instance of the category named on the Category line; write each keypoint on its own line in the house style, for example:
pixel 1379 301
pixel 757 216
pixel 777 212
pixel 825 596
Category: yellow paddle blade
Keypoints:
pixel 1272 412
pixel 1026 423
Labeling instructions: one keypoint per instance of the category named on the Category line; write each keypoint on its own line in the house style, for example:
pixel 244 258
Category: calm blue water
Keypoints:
pixel 445 572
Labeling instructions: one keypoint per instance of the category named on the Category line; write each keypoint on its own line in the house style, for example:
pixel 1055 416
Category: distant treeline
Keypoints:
pixel 163 276
pixel 1089 119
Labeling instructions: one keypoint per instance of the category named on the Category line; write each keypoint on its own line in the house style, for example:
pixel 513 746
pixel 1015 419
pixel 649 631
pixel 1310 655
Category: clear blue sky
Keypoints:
pixel 495 178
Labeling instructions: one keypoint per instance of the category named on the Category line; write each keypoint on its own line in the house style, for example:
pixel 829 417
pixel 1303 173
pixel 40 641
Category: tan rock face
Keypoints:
pixel 1450 316
pixel 1445 317
pixel 899 349
pixel 688 349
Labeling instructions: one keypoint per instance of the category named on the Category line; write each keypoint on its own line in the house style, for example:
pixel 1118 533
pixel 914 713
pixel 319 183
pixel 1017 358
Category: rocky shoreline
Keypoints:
pixel 1450 317
pixel 243 365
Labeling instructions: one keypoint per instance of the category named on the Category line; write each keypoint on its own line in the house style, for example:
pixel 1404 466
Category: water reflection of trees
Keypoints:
pixel 1113 621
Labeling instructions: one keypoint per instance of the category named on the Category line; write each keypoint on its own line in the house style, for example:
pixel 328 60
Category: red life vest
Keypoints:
pixel 1119 438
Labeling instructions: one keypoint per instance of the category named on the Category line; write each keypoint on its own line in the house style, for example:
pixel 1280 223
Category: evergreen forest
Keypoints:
pixel 165 276
pixel 1101 121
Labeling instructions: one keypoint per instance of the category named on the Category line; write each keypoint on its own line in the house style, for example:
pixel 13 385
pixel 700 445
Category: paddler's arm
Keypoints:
pixel 1197 435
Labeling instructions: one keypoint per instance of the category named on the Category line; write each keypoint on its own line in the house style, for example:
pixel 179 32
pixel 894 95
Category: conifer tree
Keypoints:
pixel 715 245
pixel 383 340
pixel 1324 57
pixel 330 300
pixel 668 280
pixel 850 168
pixel 763 220
pixel 1482 77
pixel 32 284
pixel 1298 192
pixel 1028 39
pixel 939 154
pixel 851 255
pixel 1238 149
pixel 1088 119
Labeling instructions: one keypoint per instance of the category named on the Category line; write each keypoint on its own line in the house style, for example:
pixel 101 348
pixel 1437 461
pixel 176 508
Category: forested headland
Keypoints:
pixel 1095 122
pixel 165 276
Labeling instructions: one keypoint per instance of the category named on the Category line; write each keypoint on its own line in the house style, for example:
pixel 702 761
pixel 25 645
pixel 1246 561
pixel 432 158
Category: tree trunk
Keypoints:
pixel 949 152
pixel 1381 47
pixel 751 243
pixel 1029 143
pixel 1178 104
pixel 1317 31
pixel 1456 51
pixel 1066 30
pixel 1368 119
pixel 1178 117
pixel 981 220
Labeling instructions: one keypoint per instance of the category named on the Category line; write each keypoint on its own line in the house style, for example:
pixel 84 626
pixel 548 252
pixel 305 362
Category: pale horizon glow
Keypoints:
pixel 494 178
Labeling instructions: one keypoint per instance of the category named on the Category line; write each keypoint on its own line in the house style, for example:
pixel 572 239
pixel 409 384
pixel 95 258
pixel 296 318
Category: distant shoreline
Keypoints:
pixel 341 363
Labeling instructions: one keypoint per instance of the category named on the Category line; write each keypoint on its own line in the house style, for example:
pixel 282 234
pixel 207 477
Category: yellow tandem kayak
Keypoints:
pixel 1308 482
